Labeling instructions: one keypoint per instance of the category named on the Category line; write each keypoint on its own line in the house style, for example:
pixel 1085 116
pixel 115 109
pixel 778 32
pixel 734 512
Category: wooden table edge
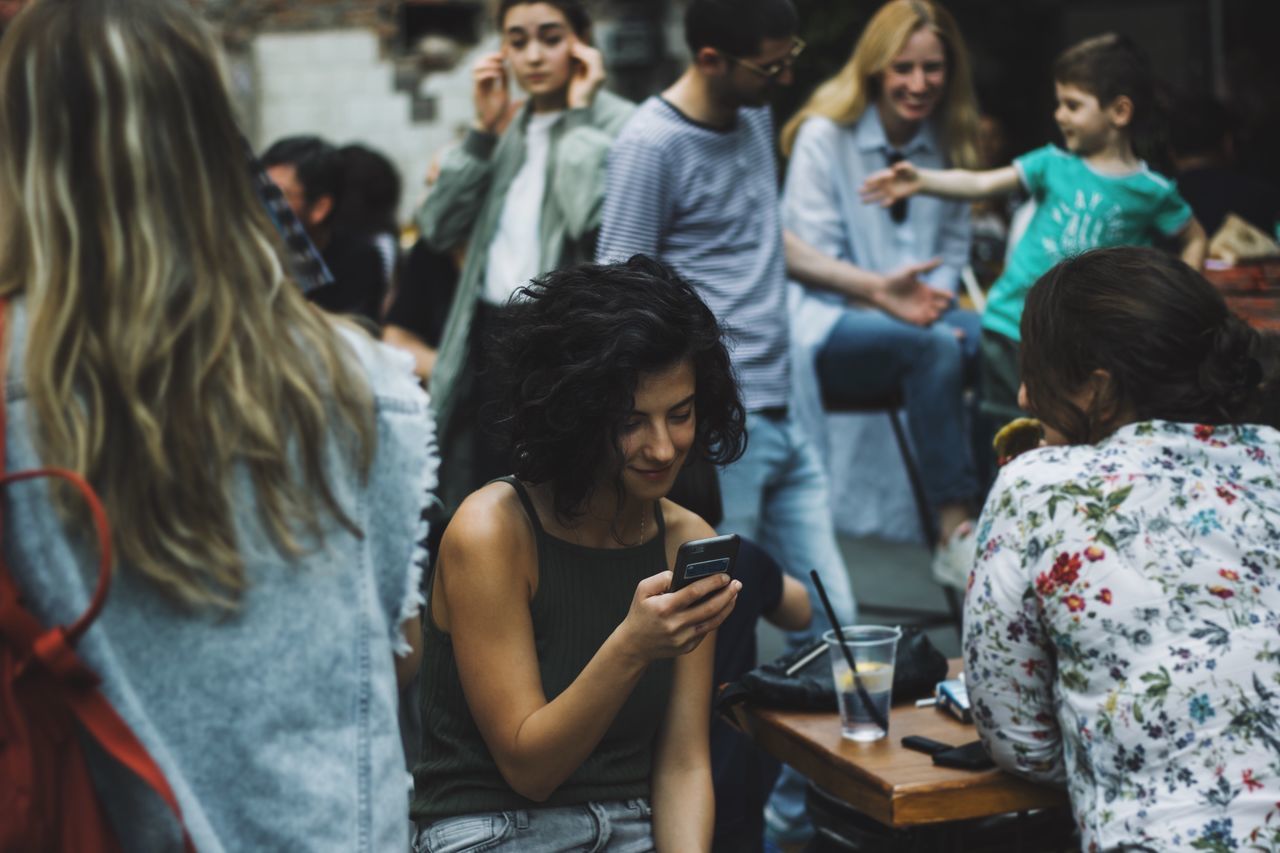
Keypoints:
pixel 904 806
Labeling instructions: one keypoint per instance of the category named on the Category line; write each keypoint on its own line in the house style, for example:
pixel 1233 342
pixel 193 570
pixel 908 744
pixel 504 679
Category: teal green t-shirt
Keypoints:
pixel 1078 209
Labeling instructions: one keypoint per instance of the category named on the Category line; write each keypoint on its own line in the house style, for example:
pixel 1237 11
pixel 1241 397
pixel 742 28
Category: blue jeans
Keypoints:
pixel 776 494
pixel 619 826
pixel 870 354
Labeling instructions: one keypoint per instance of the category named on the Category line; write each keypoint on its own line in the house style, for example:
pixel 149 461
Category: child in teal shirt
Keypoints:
pixel 1096 193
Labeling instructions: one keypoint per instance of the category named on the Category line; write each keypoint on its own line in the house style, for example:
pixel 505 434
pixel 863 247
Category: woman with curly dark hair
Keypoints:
pixel 565 686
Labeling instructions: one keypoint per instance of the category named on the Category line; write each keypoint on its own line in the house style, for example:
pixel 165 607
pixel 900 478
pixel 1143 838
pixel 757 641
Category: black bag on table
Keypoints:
pixel 918 667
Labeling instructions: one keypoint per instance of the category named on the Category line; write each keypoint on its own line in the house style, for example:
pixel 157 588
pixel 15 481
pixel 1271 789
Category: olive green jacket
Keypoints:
pixel 465 206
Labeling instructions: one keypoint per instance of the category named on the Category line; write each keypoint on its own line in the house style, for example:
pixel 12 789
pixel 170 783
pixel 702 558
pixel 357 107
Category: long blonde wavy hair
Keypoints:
pixel 846 96
pixel 167 347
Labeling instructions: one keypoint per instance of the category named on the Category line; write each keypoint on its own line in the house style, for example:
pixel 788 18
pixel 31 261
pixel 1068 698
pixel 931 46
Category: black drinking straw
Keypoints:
pixel 848 656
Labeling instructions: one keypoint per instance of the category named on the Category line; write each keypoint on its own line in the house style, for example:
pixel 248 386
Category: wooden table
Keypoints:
pixel 883 780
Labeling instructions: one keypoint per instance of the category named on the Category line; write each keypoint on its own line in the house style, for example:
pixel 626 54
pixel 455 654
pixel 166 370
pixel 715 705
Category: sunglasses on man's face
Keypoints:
pixel 773 69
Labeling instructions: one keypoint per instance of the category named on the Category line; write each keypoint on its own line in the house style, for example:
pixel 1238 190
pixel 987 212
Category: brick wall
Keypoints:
pixel 241 20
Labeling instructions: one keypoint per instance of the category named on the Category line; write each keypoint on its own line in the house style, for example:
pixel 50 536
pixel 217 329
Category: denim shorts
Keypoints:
pixel 618 826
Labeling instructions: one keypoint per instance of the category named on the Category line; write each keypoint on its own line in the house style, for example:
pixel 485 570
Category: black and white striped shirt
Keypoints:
pixel 705 201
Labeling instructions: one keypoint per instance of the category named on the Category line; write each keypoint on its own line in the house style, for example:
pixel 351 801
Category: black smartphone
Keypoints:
pixel 699 558
pixel 927 745
pixel 970 756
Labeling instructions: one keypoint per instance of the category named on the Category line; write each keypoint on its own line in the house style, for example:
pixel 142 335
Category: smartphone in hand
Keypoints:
pixel 699 558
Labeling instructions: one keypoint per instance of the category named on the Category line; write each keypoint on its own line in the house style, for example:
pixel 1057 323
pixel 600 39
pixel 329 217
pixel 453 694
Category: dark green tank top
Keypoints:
pixel 583 595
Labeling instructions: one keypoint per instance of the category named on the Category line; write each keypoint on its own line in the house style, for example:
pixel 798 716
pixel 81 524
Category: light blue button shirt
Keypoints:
pixel 822 206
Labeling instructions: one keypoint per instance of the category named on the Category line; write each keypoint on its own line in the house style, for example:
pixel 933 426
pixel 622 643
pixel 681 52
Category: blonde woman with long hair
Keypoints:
pixel 264 469
pixel 905 92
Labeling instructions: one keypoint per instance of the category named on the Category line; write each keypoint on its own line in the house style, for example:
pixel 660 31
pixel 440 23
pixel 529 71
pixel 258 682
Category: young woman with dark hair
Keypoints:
pixel 370 198
pixel 523 193
pixel 579 716
pixel 1125 599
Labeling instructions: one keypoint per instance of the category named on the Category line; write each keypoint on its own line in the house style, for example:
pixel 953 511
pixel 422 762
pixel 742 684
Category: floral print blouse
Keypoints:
pixel 1122 633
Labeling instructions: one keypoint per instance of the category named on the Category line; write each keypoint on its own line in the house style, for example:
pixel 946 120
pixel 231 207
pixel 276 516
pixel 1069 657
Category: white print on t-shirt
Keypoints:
pixel 1084 225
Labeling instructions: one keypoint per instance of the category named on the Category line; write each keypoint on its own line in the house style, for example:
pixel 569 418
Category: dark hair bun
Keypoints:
pixel 1230 375
pixel 1157 328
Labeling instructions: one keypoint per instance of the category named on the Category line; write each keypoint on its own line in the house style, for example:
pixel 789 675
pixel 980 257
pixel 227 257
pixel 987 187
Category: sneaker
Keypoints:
pixel 954 559
pixel 781 831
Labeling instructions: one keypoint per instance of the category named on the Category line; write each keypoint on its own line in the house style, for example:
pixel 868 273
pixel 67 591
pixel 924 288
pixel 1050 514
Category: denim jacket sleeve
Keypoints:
pixel 402 483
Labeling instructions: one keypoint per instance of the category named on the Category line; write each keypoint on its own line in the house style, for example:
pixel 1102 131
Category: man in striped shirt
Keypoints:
pixel 692 181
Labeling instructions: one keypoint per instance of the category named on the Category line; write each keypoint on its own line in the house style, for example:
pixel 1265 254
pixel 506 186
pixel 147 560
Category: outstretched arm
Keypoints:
pixel 903 179
pixel 900 293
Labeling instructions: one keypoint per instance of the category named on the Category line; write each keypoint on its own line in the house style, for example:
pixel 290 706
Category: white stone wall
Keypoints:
pixel 336 84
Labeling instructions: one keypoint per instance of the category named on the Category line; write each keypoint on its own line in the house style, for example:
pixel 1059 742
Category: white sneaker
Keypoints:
pixel 954 559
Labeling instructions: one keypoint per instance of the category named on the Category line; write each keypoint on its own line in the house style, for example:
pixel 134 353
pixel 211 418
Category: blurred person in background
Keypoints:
pixel 524 201
pixel 905 92
pixel 370 202
pixel 692 180
pixel 1202 146
pixel 310 174
pixel 419 303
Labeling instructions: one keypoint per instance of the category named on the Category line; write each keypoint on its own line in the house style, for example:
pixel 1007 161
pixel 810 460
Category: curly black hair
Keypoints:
pixel 571 348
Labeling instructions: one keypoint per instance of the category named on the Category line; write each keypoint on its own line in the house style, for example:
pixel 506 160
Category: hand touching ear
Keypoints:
pixel 490 94
pixel 587 75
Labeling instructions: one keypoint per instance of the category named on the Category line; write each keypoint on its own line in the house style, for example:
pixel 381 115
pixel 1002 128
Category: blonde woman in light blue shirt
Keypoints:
pixel 904 93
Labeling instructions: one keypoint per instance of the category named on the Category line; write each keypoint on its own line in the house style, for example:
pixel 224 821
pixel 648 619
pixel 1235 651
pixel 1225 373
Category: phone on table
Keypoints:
pixel 969 756
pixel 700 558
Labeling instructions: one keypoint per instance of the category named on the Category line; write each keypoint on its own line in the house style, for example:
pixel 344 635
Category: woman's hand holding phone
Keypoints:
pixel 661 625
pixel 490 94
pixel 586 76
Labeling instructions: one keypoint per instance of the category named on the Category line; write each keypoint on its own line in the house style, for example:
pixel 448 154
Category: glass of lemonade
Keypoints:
pixel 873 648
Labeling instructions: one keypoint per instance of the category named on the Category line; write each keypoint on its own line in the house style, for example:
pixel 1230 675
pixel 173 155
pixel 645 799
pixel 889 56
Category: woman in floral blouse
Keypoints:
pixel 1122 628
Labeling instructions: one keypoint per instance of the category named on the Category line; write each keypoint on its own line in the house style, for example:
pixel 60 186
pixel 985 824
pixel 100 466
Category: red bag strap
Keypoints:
pixel 55 647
